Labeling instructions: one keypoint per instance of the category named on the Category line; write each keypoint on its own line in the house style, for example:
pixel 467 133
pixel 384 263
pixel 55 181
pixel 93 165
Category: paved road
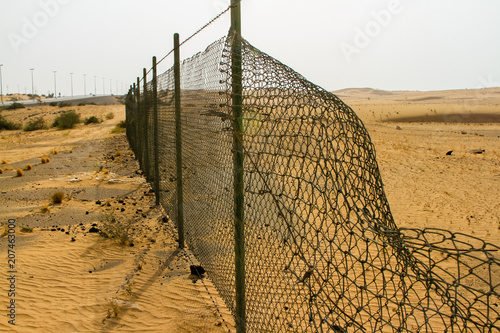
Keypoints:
pixel 98 99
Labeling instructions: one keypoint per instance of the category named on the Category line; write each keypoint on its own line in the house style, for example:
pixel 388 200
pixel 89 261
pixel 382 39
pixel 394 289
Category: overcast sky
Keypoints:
pixel 383 44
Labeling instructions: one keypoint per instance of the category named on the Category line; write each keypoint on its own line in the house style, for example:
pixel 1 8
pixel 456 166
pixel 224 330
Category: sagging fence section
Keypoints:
pixel 321 250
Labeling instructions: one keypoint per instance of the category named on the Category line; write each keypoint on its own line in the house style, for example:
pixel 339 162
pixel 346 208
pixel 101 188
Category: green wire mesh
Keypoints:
pixel 323 253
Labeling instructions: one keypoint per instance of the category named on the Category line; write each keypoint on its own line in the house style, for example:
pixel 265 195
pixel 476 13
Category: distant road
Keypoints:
pixel 98 100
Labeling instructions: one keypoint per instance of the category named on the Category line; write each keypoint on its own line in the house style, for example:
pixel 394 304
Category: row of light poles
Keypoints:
pixel 55 84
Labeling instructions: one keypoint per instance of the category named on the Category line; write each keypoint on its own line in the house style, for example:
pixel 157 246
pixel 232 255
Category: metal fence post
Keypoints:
pixel 238 157
pixel 146 101
pixel 155 143
pixel 178 141
pixel 139 128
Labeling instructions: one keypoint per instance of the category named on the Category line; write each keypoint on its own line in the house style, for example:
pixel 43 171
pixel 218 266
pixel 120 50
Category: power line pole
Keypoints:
pixel 32 84
pixel 71 84
pixel 55 85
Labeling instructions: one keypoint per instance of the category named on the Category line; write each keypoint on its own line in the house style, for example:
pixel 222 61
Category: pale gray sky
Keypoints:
pixel 384 44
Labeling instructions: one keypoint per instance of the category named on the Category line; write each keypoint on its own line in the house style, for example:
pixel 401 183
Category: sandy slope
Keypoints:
pixel 95 284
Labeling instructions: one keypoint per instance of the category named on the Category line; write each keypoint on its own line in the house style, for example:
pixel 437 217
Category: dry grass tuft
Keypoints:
pixel 45 209
pixel 1 171
pixel 105 171
pixel 57 197
pixel 4 162
pixel 28 167
pixel 26 229
pixel 118 153
pixel 19 173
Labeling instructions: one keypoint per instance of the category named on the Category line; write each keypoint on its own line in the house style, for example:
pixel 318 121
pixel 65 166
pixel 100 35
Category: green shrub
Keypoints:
pixel 122 124
pixel 82 104
pixel 53 104
pixel 35 125
pixel 67 120
pixel 110 115
pixel 92 120
pixel 14 106
pixel 63 104
pixel 8 125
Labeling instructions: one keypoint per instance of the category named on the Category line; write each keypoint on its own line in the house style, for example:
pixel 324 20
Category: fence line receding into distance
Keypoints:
pixel 322 252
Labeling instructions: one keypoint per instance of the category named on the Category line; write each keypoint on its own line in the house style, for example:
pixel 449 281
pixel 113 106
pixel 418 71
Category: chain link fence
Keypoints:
pixel 322 251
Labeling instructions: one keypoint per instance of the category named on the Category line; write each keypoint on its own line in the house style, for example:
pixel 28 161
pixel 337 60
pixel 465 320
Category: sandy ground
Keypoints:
pixel 70 279
pixel 412 132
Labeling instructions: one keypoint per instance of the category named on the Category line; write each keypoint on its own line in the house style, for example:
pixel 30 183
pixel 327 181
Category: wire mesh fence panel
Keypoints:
pixel 322 251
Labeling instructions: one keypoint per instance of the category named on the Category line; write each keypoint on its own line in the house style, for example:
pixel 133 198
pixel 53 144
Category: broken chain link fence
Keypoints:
pixel 322 251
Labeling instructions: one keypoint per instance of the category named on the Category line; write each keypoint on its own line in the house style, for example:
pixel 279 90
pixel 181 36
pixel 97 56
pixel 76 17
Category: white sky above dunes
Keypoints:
pixel 382 44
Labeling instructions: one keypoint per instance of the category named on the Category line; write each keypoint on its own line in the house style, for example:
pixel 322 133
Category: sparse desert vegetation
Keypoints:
pixel 36 124
pixel 45 209
pixel 57 197
pixel 92 120
pixel 116 228
pixel 67 120
pixel 8 125
pixel 19 173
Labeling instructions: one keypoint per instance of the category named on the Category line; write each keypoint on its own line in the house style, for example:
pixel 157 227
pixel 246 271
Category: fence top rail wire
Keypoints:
pixel 190 37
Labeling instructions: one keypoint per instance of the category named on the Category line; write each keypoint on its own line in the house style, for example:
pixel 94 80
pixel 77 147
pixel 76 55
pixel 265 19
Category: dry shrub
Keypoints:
pixel 4 162
pixel 57 197
pixel 1 171
pixel 113 308
pixel 45 209
pixel 28 167
pixel 114 228
pixel 19 173
pixel 105 171
pixel 118 153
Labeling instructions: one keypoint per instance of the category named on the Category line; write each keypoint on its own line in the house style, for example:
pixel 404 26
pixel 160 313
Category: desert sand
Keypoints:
pixel 70 279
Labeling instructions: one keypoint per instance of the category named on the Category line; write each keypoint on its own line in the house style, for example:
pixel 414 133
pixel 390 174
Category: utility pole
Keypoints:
pixel 71 84
pixel 32 84
pixel 55 85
